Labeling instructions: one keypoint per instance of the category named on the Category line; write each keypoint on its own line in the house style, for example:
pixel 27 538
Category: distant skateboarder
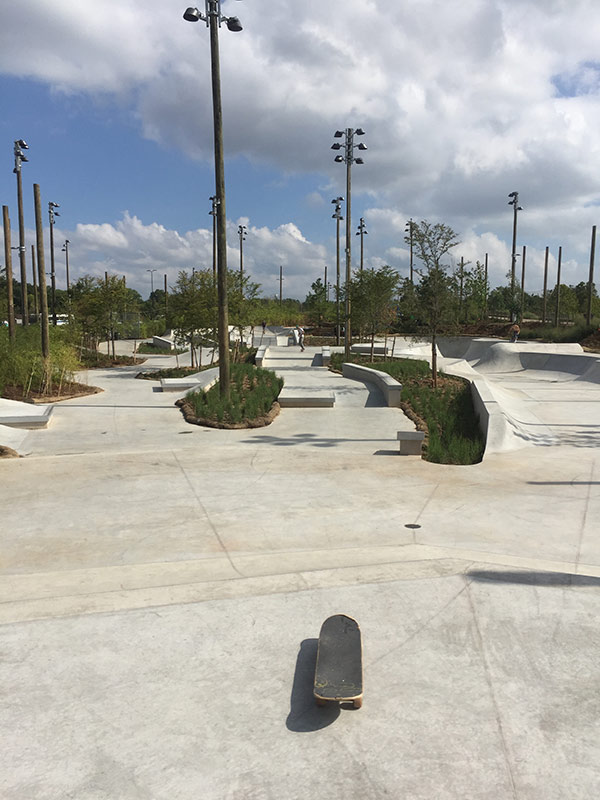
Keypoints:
pixel 514 332
pixel 301 337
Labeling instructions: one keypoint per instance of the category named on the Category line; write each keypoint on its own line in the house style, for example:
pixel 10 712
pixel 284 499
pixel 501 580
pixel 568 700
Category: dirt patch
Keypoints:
pixel 260 422
pixel 68 391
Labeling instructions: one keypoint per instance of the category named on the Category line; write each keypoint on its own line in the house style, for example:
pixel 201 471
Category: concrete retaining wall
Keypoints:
pixel 389 387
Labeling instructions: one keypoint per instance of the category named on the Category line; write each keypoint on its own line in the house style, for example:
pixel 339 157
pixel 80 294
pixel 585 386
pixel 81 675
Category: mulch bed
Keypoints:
pixel 68 391
pixel 260 422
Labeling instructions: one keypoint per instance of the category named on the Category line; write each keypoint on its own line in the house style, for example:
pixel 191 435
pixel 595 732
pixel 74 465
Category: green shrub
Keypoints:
pixel 454 435
pixel 22 365
pixel 252 393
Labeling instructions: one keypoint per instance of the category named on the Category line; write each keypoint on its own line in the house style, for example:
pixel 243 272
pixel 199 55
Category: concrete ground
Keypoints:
pixel 163 587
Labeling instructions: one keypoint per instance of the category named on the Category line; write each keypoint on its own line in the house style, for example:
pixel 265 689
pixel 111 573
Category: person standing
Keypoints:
pixel 301 337
pixel 514 332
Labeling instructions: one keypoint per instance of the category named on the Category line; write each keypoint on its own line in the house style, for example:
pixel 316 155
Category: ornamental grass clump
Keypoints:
pixel 453 434
pixel 253 391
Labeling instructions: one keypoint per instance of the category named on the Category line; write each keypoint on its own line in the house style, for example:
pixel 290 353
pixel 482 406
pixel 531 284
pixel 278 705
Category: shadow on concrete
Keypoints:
pixel 302 438
pixel 387 453
pixel 533 578
pixel 305 715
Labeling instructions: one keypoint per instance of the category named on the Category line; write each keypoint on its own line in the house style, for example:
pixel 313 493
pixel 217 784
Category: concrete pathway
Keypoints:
pixel 163 586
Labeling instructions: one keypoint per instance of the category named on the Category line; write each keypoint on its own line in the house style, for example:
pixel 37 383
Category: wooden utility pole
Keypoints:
pixel 557 311
pixel 9 276
pixel 280 286
pixel 485 302
pixel 36 294
pixel 591 277
pixel 545 285
pixel 523 282
pixel 39 229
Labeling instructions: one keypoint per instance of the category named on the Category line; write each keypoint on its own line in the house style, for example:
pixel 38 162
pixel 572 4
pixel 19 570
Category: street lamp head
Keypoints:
pixel 192 15
pixel 359 132
pixel 359 161
pixel 338 134
pixel 513 194
pixel 336 146
pixel 22 143
pixel 338 200
pixel 54 205
pixel 339 159
pixel 233 24
pixel 362 146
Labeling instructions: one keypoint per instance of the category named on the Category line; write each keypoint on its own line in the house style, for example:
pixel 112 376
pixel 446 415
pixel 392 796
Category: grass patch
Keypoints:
pixel 253 391
pixel 447 414
pixel 149 349
pixel 94 359
pixel 564 333
pixel 173 372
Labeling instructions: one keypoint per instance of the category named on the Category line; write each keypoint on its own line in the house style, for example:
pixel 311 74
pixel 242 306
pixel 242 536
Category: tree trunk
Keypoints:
pixel 434 360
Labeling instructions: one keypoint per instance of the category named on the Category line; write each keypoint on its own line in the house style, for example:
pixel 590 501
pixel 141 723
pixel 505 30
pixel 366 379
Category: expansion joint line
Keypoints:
pixel 207 517
pixel 488 677
pixel 584 519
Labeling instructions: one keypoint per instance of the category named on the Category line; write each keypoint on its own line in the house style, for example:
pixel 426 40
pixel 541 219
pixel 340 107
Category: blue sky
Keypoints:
pixel 460 105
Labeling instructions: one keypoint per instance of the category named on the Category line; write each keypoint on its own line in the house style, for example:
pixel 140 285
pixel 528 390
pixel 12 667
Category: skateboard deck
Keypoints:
pixel 338 673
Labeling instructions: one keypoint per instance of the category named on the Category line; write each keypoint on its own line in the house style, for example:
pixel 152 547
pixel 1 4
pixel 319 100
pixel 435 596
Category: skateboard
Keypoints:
pixel 338 673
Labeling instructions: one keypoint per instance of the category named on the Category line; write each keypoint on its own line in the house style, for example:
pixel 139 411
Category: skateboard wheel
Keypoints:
pixel 357 703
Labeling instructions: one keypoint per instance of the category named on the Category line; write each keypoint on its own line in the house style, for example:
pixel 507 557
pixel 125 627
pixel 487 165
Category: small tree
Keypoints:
pixel 476 290
pixel 193 307
pixel 316 303
pixel 373 294
pixel 436 299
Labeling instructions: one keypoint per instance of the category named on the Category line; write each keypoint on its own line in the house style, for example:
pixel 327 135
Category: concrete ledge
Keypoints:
pixel 365 349
pixel 296 398
pixel 199 380
pixel 389 387
pixel 410 442
pixel 326 355
pixel 261 354
pixel 163 342
pixel 24 415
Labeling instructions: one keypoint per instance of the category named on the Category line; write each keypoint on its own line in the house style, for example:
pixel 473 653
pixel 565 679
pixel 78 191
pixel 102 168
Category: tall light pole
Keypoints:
pixel 242 231
pixel 362 230
pixel 213 18
pixel 21 145
pixel 9 276
pixel 51 214
pixel 151 271
pixel 65 250
pixel 348 158
pixel 337 216
pixel 514 202
pixel 409 240
pixel 213 213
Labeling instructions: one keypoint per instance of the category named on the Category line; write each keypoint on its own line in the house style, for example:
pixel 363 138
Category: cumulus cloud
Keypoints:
pixel 129 247
pixel 462 103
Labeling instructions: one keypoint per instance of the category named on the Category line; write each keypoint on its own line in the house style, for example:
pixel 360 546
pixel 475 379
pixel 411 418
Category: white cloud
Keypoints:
pixel 461 102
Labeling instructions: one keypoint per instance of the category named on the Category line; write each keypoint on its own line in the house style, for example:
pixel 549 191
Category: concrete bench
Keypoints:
pixel 410 442
pixel 297 398
pixel 326 355
pixel 389 387
pixel 261 354
pixel 365 349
